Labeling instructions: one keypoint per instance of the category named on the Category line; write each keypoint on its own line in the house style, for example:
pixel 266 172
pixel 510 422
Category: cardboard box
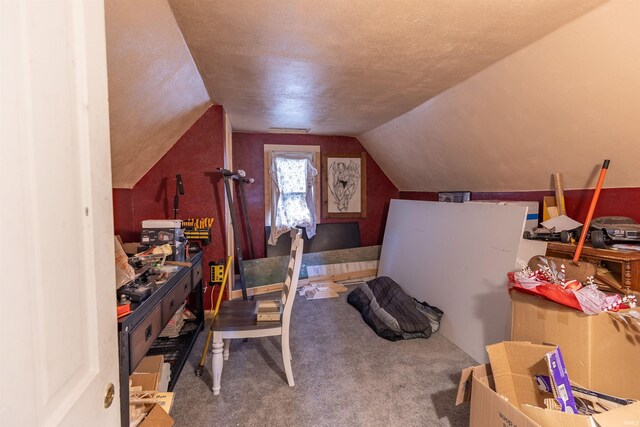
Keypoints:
pixel 148 373
pixel 148 376
pixel 140 403
pixel 161 236
pixel 488 409
pixel 512 370
pixel 150 364
pixel 601 353
pixel 157 417
pixel 514 365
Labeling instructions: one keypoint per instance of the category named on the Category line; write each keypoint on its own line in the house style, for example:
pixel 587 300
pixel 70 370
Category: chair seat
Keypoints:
pixel 239 315
pixel 239 319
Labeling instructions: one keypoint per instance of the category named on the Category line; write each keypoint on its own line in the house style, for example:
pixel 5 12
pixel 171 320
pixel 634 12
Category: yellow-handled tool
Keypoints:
pixel 225 276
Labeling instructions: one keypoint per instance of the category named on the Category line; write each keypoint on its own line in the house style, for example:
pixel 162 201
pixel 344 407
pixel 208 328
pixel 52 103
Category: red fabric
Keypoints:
pixel 554 293
pixel 550 291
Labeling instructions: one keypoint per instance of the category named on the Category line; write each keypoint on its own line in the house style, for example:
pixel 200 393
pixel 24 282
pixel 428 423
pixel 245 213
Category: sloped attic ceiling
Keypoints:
pixel 562 104
pixel 412 79
pixel 155 90
pixel 345 67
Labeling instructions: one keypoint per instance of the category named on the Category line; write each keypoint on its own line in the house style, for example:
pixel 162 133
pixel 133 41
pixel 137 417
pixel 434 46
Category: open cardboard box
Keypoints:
pixel 512 370
pixel 488 409
pixel 147 377
pixel 157 417
pixel 601 353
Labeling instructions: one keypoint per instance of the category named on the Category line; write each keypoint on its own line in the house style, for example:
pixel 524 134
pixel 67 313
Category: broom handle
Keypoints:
pixel 587 221
pixel 225 275
pixel 557 180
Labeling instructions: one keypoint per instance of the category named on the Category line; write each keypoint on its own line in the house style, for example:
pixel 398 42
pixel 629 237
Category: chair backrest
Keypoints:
pixel 289 289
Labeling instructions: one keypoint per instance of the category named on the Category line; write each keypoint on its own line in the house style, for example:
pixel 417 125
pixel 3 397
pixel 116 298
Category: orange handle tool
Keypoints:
pixel 587 221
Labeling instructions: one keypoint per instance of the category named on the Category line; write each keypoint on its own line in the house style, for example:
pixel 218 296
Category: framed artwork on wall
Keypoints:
pixel 344 185
pixel 454 196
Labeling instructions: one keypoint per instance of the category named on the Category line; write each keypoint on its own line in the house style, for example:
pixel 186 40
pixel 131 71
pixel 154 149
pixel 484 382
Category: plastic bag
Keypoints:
pixel 594 301
pixel 124 272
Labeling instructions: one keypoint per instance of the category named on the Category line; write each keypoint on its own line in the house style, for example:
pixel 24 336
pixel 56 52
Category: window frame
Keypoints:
pixel 268 150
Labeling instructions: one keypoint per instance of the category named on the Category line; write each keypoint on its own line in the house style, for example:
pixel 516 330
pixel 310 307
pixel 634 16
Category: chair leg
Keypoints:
pixel 217 362
pixel 227 343
pixel 286 357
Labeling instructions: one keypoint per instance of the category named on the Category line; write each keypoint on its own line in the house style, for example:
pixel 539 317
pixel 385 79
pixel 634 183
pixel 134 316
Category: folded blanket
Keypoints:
pixel 393 314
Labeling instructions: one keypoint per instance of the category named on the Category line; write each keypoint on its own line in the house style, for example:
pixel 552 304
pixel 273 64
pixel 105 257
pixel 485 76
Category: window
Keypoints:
pixel 291 195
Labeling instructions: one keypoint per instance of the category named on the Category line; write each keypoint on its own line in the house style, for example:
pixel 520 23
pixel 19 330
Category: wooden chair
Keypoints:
pixel 238 319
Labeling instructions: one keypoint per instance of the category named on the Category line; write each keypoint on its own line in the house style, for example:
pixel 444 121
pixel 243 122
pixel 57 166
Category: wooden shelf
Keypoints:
pixel 138 332
pixel 623 266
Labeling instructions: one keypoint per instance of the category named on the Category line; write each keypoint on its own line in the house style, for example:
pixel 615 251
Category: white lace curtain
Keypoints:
pixel 292 198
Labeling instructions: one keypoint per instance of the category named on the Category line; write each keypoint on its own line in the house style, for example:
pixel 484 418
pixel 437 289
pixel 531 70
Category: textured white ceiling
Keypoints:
pixel 443 94
pixel 345 67
pixel 155 90
pixel 562 104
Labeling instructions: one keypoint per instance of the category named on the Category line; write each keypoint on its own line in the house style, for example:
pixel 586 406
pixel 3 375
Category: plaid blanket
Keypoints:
pixel 393 314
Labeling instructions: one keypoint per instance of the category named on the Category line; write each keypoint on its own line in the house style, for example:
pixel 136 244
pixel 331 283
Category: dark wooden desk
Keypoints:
pixel 138 331
pixel 624 266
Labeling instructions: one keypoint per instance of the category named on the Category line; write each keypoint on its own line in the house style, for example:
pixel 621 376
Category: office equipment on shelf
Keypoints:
pixel 138 331
pixel 157 232
pixel 198 229
pixel 134 293
pixel 161 231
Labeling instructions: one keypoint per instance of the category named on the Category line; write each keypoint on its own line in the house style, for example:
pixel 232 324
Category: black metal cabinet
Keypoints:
pixel 138 332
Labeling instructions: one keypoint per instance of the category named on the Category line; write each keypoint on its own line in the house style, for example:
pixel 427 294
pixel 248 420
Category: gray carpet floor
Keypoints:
pixel 345 375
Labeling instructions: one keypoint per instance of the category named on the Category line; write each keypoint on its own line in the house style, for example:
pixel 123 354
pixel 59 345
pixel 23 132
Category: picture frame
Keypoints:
pixel 454 196
pixel 344 185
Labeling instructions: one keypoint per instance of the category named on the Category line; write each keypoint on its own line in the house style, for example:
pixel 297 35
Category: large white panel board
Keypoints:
pixel 456 256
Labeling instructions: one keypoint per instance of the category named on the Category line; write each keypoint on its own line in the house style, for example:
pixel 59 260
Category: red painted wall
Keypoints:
pixel 248 154
pixel 123 215
pixel 200 151
pixel 612 201
pixel 419 195
pixel 195 156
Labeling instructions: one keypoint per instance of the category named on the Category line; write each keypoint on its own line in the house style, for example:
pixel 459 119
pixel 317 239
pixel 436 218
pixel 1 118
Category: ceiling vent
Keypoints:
pixel 288 130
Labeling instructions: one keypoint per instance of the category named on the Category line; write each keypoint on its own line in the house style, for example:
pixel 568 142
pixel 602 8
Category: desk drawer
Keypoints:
pixel 174 299
pixel 196 274
pixel 143 335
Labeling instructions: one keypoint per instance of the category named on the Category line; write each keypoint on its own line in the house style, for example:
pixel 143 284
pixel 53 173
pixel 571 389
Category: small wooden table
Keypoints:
pixel 624 266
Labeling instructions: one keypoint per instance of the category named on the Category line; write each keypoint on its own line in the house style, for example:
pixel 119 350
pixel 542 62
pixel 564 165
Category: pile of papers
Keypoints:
pixel 173 328
pixel 320 290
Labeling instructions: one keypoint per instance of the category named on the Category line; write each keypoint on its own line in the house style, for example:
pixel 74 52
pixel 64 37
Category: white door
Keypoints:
pixel 58 342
